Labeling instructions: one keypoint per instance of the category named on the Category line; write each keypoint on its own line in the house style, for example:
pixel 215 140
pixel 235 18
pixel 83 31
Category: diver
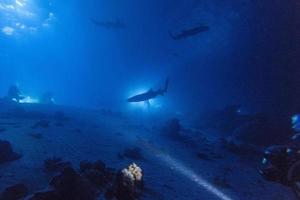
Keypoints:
pixel 14 94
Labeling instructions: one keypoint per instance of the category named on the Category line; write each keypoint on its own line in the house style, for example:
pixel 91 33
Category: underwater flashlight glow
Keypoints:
pixel 29 99
pixel 189 173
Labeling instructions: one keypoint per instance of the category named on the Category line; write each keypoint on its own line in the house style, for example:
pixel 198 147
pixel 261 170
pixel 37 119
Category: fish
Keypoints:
pixel 189 32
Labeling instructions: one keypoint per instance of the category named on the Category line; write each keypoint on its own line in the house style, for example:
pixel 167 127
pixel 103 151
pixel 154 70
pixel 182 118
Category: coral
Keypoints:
pixel 71 185
pixel 55 164
pixel 97 173
pixel 136 171
pixel 92 178
pixel 6 152
pixel 128 184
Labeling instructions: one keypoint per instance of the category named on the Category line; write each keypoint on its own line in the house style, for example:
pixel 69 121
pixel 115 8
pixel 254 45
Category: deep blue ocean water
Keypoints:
pixel 248 56
pixel 229 67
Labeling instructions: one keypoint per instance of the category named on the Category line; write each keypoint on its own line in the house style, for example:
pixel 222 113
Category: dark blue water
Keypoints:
pixel 217 81
pixel 248 55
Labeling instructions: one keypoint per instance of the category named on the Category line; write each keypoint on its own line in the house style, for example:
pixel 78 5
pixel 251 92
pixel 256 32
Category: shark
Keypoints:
pixel 150 94
pixel 189 32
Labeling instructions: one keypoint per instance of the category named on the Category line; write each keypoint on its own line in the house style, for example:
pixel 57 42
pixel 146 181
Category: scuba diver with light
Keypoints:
pixel 281 163
pixel 14 94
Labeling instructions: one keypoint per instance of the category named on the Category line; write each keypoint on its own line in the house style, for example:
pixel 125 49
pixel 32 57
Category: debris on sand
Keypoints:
pixel 41 124
pixel 128 185
pixel 6 152
pixel 68 185
pixel 132 153
pixel 15 192
pixel 55 164
pixel 85 184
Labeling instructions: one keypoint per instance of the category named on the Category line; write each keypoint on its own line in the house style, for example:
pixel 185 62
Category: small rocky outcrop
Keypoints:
pixel 85 184
pixel 55 164
pixel 128 184
pixel 15 192
pixel 97 173
pixel 6 152
pixel 70 185
pixel 91 180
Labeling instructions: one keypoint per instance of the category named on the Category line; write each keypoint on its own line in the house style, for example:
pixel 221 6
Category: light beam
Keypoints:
pixel 190 174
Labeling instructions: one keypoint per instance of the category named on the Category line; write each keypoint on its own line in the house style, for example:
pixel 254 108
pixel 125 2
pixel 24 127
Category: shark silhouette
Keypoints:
pixel 150 94
pixel 189 32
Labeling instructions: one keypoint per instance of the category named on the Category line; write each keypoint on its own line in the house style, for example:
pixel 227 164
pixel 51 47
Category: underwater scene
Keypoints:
pixel 149 100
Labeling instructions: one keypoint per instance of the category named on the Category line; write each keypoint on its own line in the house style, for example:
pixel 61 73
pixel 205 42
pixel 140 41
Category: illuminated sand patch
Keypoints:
pixel 180 168
pixel 190 174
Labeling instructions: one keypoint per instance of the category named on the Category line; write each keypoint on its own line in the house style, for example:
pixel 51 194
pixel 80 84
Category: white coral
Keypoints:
pixel 132 173
pixel 128 176
pixel 136 171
